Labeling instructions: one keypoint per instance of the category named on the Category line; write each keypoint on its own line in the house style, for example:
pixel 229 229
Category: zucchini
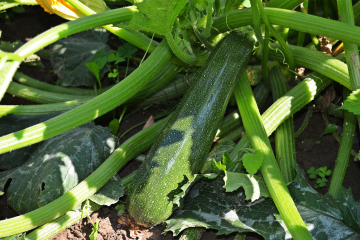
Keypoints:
pixel 180 150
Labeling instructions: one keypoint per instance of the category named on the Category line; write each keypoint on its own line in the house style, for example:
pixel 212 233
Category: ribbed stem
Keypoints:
pixel 284 135
pixel 346 143
pixel 271 173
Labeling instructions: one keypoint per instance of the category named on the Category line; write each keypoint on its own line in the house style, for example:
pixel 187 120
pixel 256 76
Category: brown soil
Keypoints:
pixel 309 154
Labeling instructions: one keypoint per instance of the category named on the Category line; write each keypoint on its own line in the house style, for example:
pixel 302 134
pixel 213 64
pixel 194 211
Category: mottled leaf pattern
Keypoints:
pixel 208 205
pixel 12 123
pixel 69 55
pixel 57 166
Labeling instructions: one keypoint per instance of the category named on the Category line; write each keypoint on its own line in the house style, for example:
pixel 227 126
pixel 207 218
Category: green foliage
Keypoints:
pixel 114 126
pixel 322 172
pixel 120 208
pixel 95 229
pixel 209 205
pixel 57 165
pixel 352 103
pixel 331 128
pixel 252 161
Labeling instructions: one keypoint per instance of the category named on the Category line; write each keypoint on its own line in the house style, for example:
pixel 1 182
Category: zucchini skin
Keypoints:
pixel 180 150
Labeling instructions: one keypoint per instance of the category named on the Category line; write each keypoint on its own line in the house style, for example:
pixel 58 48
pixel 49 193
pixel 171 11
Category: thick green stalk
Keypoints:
pixel 286 106
pixel 31 82
pixel 289 4
pixel 52 228
pixel 129 149
pixel 257 23
pixel 270 170
pixel 23 110
pixel 57 225
pixel 93 108
pixel 173 90
pixel 232 121
pixel 59 32
pixel 290 19
pixel 40 96
pixel 346 143
pixel 316 61
pixel 284 135
pixel 351 50
pixel 265 56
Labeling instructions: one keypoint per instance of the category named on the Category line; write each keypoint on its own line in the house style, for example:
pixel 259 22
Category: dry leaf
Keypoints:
pixel 149 122
pixel 326 99
pixel 325 45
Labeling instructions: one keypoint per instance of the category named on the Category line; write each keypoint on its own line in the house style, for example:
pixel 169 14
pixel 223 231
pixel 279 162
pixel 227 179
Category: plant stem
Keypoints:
pixel 351 50
pixel 316 61
pixel 272 176
pixel 58 32
pixel 232 121
pixel 304 124
pixel 289 4
pixel 290 19
pixel 129 149
pixel 257 23
pixel 40 96
pixel 286 106
pixel 277 36
pixel 93 108
pixel 284 135
pixel 343 156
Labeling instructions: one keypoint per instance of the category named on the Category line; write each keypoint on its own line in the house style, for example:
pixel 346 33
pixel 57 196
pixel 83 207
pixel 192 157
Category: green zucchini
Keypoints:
pixel 180 150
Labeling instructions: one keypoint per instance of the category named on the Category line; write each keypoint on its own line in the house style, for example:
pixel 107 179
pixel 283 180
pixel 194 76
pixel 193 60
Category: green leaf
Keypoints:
pixel 126 51
pixel 94 232
pixel 216 155
pixel 313 175
pixel 114 126
pixel 323 169
pixel 247 3
pixel 254 186
pixel 113 74
pixel 328 172
pixel 330 129
pixel 321 174
pixel 99 59
pixel 69 55
pixel 12 123
pixel 110 193
pixel 322 184
pixel 94 68
pixel 352 103
pixel 156 16
pixel 120 208
pixel 209 205
pixel 252 162
pixel 58 165
pixel 311 170
pixel 111 57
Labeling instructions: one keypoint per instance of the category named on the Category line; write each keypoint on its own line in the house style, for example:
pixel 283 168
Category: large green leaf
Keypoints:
pixel 208 205
pixel 156 16
pixel 69 55
pixel 57 166
pixel 12 123
pixel 110 192
pixel 352 103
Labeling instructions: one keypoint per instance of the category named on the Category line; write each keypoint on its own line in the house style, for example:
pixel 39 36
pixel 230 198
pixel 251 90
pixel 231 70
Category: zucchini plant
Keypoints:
pixel 198 50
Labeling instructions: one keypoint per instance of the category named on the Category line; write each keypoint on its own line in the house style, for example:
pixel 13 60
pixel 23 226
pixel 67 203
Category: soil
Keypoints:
pixel 312 150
